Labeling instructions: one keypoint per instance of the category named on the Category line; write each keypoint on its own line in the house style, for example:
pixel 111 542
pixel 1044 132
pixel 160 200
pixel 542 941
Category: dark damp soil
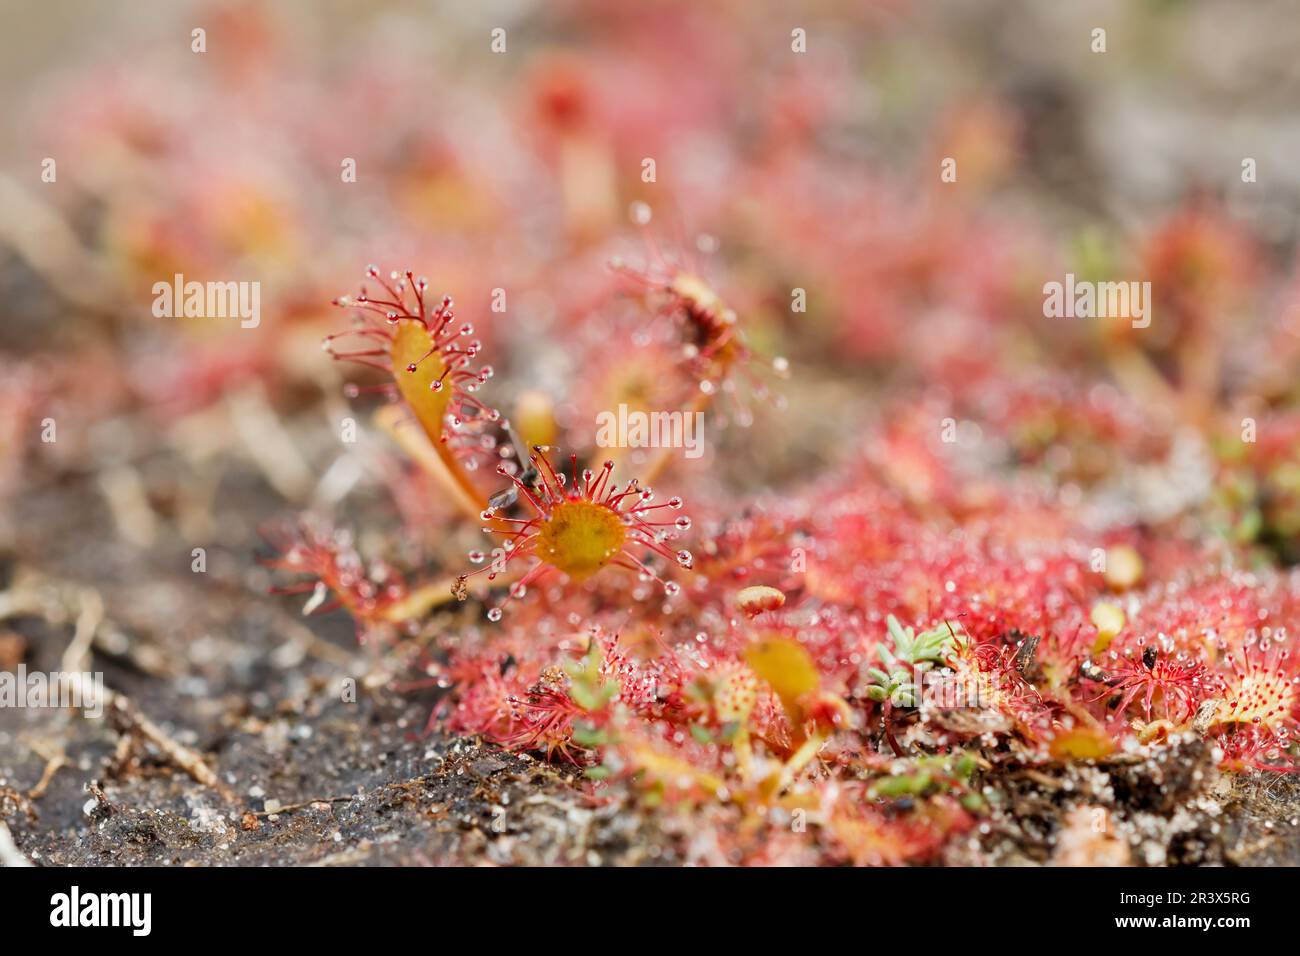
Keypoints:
pixel 318 767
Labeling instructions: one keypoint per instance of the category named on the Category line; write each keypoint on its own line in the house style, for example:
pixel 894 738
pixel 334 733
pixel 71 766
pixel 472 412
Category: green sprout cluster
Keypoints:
pixel 937 773
pixel 909 652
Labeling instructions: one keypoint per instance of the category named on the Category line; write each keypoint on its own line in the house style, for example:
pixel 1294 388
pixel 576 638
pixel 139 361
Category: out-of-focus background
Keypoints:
pixel 796 154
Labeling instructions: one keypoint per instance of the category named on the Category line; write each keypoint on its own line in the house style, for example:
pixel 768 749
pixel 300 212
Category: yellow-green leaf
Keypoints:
pixel 411 345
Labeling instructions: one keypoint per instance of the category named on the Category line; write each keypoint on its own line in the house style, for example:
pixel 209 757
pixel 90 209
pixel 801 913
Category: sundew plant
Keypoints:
pixel 823 436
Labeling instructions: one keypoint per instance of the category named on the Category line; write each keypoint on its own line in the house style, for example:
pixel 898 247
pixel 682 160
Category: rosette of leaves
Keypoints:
pixel 904 655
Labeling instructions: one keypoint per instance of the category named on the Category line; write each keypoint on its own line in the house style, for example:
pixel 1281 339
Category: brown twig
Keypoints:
pixel 176 753
pixel 55 759
pixel 289 808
